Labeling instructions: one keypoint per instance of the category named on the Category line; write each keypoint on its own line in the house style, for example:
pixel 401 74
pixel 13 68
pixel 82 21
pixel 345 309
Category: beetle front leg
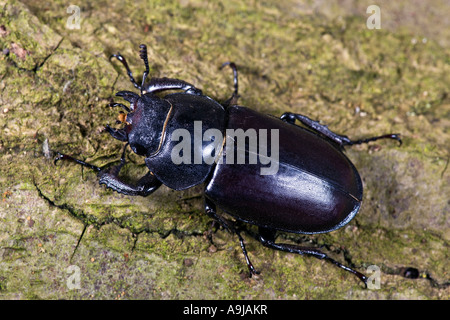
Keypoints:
pixel 162 84
pixel 156 84
pixel 234 97
pixel 110 177
pixel 210 209
pixel 323 129
pixel 267 238
pixel 144 187
pixel 61 156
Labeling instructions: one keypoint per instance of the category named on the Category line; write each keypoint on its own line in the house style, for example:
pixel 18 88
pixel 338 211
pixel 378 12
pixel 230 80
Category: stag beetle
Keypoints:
pixel 314 189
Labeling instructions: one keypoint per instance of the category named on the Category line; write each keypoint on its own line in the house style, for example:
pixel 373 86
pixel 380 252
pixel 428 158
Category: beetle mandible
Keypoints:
pixel 316 188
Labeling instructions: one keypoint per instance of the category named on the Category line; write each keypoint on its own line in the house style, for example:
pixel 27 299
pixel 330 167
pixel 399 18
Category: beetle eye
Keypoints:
pixel 138 149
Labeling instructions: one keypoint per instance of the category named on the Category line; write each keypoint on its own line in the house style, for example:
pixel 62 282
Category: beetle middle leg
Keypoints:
pixel 323 129
pixel 210 209
pixel 267 238
pixel 109 177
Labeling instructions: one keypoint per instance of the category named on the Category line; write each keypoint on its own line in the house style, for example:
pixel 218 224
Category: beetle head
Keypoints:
pixel 145 122
pixel 147 116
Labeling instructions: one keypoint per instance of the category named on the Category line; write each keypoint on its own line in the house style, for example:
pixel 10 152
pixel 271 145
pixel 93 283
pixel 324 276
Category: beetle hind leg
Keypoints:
pixel 341 140
pixel 267 238
pixel 210 209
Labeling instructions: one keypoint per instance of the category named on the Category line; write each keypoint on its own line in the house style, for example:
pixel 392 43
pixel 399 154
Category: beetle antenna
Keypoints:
pixel 125 64
pixel 143 54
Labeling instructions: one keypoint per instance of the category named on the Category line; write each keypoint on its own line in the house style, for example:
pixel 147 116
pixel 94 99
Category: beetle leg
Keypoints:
pixel 61 156
pixel 210 209
pixel 323 129
pixel 110 177
pixel 234 97
pixel 162 84
pixel 156 84
pixel 267 238
pixel 144 187
pixel 395 136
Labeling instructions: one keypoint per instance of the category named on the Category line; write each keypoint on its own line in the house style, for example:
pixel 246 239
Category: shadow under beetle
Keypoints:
pixel 315 190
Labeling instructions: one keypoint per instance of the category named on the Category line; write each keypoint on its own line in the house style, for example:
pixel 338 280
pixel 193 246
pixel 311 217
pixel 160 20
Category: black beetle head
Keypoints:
pixel 145 123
